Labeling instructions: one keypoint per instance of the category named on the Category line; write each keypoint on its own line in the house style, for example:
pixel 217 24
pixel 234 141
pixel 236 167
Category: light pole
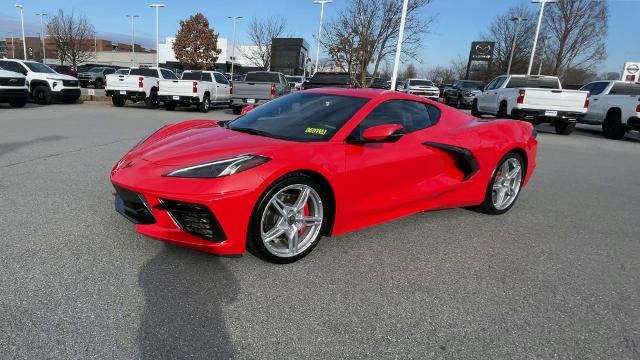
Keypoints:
pixel 396 64
pixel 133 38
pixel 321 2
pixel 517 19
pixel 544 48
pixel 535 39
pixel 13 48
pixel 157 6
pixel 44 53
pixel 24 43
pixel 233 50
pixel 95 46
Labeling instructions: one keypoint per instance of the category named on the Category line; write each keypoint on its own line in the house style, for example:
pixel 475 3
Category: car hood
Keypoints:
pixel 204 144
pixel 59 76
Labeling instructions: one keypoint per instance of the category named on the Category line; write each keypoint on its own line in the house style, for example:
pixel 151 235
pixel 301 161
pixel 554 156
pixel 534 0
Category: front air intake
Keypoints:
pixel 195 219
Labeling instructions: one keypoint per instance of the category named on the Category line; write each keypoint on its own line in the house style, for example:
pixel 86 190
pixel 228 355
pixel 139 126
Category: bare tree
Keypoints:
pixel 410 72
pixel 261 33
pixel 196 44
pixel 577 31
pixel 502 29
pixel 365 33
pixel 73 36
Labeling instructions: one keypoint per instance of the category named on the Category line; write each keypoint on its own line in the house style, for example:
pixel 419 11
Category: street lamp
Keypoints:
pixel 233 50
pixel 44 53
pixel 24 43
pixel 157 6
pixel 535 39
pixel 517 19
pixel 545 41
pixel 321 2
pixel 133 38
pixel 396 64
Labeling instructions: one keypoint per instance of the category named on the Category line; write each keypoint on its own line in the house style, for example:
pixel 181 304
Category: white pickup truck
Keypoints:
pixel 200 88
pixel 615 105
pixel 140 85
pixel 535 98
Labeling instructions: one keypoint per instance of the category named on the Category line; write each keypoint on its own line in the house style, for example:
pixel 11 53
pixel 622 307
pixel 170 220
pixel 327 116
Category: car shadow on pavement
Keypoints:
pixel 184 293
pixel 11 146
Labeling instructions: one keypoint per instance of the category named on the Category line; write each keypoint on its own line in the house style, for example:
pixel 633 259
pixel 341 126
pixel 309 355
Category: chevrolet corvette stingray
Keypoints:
pixel 317 163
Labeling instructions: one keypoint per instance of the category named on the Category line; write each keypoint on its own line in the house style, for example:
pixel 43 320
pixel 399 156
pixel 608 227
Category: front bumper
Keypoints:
pixel 149 200
pixel 10 95
pixel 68 93
pixel 468 100
pixel 428 94
pixel 536 116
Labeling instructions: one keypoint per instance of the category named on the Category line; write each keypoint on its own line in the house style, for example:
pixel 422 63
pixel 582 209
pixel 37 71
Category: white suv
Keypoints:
pixel 13 88
pixel 45 85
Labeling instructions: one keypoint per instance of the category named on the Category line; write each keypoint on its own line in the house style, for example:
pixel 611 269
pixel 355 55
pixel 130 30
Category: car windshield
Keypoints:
pixel 262 77
pixel 420 83
pixel 39 68
pixel 471 84
pixel 144 72
pixel 533 82
pixel 191 75
pixel 300 116
pixel 96 70
pixel 331 78
pixel 294 78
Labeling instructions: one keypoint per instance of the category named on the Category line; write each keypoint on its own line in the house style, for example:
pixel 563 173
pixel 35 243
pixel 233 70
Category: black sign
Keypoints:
pixel 482 50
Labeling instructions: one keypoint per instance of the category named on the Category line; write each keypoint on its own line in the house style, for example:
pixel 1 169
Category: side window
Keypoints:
pixel 500 81
pixel 588 87
pixel 283 80
pixel 206 77
pixel 492 84
pixel 412 115
pixel 168 74
pixel 109 71
pixel 220 79
pixel 12 66
pixel 598 88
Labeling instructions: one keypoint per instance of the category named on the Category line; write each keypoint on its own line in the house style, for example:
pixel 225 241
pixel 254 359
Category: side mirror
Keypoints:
pixel 382 133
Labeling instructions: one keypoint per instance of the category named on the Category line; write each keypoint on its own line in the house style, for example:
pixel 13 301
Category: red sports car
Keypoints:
pixel 317 163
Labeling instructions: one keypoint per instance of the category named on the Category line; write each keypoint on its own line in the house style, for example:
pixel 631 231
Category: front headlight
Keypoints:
pixel 220 168
pixel 468 93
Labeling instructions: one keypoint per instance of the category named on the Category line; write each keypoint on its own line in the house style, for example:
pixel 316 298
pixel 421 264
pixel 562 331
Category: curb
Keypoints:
pixel 95 98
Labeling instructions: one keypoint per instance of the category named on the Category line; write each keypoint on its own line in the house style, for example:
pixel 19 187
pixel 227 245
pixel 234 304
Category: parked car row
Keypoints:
pixel 43 83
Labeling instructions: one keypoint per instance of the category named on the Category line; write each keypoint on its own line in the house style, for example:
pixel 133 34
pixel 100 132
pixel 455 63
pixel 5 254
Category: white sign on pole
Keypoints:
pixel 631 71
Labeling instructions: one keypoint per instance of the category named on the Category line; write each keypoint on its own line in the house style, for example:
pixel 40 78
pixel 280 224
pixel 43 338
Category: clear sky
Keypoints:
pixel 458 22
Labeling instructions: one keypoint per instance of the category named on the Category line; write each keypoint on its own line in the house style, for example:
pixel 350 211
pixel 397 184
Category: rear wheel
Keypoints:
pixel 237 110
pixel 118 101
pixel 502 111
pixel 474 109
pixel 205 104
pixel 612 126
pixel 152 100
pixel 505 185
pixel 289 220
pixel 564 128
pixel 42 95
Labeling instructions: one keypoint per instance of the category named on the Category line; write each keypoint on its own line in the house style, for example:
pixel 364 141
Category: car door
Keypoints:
pixel 392 177
pixel 597 104
pixel 222 85
pixel 491 99
pixel 482 98
pixel 208 84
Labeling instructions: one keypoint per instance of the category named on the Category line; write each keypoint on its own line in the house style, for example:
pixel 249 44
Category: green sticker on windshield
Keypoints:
pixel 316 131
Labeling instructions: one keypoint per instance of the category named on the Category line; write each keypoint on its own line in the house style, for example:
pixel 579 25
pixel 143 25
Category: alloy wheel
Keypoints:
pixel 506 184
pixel 292 220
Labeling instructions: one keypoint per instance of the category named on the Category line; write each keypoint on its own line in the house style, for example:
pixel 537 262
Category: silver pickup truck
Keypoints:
pixel 257 88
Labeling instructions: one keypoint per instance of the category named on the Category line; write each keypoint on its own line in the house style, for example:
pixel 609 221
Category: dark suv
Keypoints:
pixel 462 93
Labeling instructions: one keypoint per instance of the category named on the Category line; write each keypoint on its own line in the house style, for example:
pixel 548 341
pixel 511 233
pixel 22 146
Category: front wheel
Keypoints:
pixel 564 128
pixel 288 220
pixel 474 109
pixel 505 185
pixel 459 103
pixel 97 84
pixel 205 104
pixel 152 101
pixel 42 95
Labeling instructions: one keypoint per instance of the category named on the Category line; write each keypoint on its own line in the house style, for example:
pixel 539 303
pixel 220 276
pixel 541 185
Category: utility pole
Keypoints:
pixel 95 46
pixel 535 39
pixel 133 38
pixel 233 50
pixel 24 42
pixel 157 6
pixel 396 64
pixel 517 19
pixel 13 48
pixel 44 53
pixel 321 2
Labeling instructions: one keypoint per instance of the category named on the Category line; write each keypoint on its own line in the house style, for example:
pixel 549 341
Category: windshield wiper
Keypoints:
pixel 251 131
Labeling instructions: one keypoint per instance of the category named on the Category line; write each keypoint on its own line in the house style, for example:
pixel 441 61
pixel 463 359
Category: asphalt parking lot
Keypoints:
pixel 556 277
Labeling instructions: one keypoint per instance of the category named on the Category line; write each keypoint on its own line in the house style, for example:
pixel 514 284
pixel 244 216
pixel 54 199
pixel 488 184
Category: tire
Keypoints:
pixel 42 95
pixel 459 103
pixel 70 101
pixel 169 105
pixel 237 110
pixel 474 109
pixel 152 100
pixel 205 104
pixel 612 126
pixel 118 101
pixel 83 86
pixel 265 218
pixel 97 84
pixel 502 112
pixel 489 206
pixel 564 128
pixel 445 99
pixel 18 104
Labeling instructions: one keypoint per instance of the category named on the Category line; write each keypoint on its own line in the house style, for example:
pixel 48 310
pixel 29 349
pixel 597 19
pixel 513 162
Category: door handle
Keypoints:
pixel 595 99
